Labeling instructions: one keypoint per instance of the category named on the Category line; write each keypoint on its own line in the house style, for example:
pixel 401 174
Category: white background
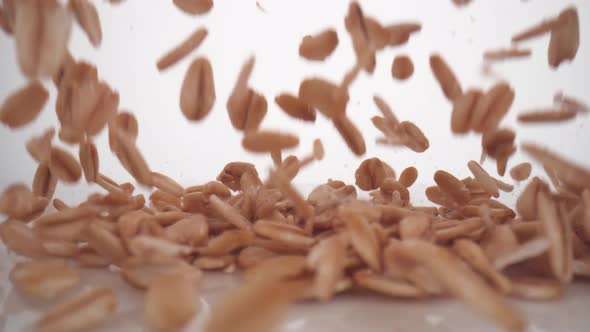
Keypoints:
pixel 137 32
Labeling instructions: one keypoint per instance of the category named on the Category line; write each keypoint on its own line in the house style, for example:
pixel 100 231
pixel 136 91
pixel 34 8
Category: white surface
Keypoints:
pixel 358 311
pixel 138 32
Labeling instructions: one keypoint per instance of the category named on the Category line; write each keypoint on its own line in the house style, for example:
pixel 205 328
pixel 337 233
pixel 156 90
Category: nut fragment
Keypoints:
pixel 131 158
pixel 318 47
pixel 44 182
pixel 267 141
pixel 83 311
pixel 44 279
pixel 24 105
pixel 64 165
pixel 194 7
pixel 87 17
pixel 521 171
pixel 21 239
pixel 452 186
pixel 565 38
pixel 371 173
pixel 17 201
pixel 295 107
pixel 171 300
pixel 197 94
pixel 182 50
pixel 445 77
pixel 351 135
pixel 41 31
pixel 89 160
pixel 402 67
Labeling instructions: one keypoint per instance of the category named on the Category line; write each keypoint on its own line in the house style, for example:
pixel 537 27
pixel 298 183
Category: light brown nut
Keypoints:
pixel 487 182
pixel 399 34
pixel 463 229
pixel 65 167
pixel 498 110
pixel 553 229
pixel 452 186
pixel 544 116
pixel 363 46
pixel 171 301
pixel 41 31
pixel 17 201
pixel 87 17
pixel 387 286
pixel 472 253
pixel 437 196
pixel 521 171
pixel 39 147
pixel 60 248
pixel 465 284
pixel 295 107
pixel 192 231
pixel 286 234
pixel 327 259
pixel 302 208
pixel 67 215
pixel 166 184
pixel 246 108
pixel 255 306
pixel 279 267
pixel 24 105
pixel 267 141
pixel 574 176
pixel 408 176
pixel 253 255
pixel 371 173
pixel 506 53
pixel 194 7
pixel 402 67
pixel 413 137
pixel 415 227
pixel 530 249
pixel 164 201
pixel 147 246
pixel 104 242
pixel 188 45
pixel 463 107
pixel 89 160
pixel 565 38
pixel 215 263
pixel 88 257
pixel 390 119
pixel 140 272
pixel 537 30
pixel 104 110
pixel 324 96
pixel 570 103
pixel 131 158
pixel 233 172
pixel 491 107
pixel 229 213
pixel 19 238
pixel 318 47
pixel 351 134
pixel 526 205
pixel 197 94
pixel 83 311
pixel 44 182
pixel 125 122
pixel 536 289
pixel 227 242
pixel 45 279
pixel 364 240
pixel 445 77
